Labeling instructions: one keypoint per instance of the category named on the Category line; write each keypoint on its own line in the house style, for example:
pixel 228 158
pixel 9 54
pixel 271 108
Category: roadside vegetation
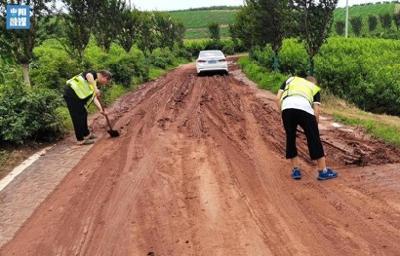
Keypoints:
pixel 35 64
pixel 376 19
pixel 360 71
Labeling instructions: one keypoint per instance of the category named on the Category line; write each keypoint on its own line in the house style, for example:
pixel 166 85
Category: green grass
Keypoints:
pixel 196 21
pixel 199 33
pixel 202 18
pixel 266 79
pixel 388 133
pixel 365 10
pixel 384 127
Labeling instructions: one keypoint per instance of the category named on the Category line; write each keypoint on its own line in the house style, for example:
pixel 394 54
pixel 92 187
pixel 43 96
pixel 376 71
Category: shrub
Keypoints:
pixel 124 66
pixel 162 57
pixel 340 27
pixel 363 71
pixel 52 65
pixel 356 24
pixel 28 114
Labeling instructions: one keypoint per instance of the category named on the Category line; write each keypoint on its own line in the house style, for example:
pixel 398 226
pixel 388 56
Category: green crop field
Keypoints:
pixel 197 21
pixel 364 11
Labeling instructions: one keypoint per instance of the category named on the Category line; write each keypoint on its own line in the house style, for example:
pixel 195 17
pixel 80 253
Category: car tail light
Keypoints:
pixel 222 60
pixel 201 61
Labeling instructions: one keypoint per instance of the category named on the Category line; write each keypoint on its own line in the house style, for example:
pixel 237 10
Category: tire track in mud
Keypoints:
pixel 199 170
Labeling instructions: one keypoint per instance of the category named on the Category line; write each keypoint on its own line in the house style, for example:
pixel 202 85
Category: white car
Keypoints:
pixel 211 61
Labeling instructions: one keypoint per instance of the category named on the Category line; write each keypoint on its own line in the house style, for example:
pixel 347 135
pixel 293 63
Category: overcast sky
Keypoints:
pixel 162 5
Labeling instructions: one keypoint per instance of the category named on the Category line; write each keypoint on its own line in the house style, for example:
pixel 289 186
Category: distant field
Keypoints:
pixel 197 21
pixel 364 11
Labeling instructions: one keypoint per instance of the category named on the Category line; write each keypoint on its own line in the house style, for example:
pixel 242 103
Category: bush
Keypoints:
pixel 266 79
pixel 162 57
pixel 124 66
pixel 52 66
pixel 363 71
pixel 28 114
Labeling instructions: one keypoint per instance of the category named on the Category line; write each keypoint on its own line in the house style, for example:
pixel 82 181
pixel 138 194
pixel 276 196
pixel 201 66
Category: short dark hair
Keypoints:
pixel 107 74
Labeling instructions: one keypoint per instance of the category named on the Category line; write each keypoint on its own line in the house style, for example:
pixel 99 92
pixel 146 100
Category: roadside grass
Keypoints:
pixel 384 127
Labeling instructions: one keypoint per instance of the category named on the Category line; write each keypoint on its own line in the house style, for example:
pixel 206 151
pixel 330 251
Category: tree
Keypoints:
pixel 270 24
pixel 80 22
pixel 314 19
pixel 356 24
pixel 372 22
pixel 130 28
pixel 108 22
pixel 18 44
pixel 215 31
pixel 386 21
pixel 167 31
pixel 262 22
pixel 243 26
pixel 396 19
pixel 147 39
pixel 339 27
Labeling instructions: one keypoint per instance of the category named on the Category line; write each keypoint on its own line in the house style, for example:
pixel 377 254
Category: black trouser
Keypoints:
pixel 295 117
pixel 78 113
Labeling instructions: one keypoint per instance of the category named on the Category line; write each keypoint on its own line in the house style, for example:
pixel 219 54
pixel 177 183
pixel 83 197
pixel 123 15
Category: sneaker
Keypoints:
pixel 91 136
pixel 296 174
pixel 329 174
pixel 85 142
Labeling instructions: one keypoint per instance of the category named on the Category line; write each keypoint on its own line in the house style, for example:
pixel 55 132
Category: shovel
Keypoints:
pixel 113 133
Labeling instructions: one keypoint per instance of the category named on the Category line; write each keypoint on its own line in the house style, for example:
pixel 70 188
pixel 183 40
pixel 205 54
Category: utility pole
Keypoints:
pixel 347 19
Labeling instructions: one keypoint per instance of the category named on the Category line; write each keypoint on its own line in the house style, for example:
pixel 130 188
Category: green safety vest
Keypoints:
pixel 82 88
pixel 301 87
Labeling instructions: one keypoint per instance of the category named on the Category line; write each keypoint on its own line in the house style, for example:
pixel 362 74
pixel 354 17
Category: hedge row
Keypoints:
pixel 360 70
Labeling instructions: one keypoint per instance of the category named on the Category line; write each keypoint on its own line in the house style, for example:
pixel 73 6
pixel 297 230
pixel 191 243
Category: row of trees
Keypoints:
pixel 357 22
pixel 109 21
pixel 262 22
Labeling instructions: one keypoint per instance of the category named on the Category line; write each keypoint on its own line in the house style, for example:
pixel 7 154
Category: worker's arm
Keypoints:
pixel 317 105
pixel 317 110
pixel 278 99
pixel 98 105
pixel 92 81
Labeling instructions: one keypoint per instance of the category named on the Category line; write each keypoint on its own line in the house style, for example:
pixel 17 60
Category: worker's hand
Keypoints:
pixel 98 93
pixel 103 112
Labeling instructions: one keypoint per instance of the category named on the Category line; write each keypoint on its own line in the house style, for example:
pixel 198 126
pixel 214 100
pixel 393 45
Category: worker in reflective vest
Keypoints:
pixel 80 92
pixel 299 100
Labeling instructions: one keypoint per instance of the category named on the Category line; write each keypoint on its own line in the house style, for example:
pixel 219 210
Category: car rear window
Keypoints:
pixel 211 54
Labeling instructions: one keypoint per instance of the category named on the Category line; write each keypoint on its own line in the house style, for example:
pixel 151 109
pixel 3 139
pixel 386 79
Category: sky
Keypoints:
pixel 164 5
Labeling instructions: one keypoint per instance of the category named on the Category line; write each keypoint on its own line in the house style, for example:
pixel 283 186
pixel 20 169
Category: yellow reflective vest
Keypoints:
pixel 82 88
pixel 300 87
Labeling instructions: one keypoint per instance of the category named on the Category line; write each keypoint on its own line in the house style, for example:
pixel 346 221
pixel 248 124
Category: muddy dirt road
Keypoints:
pixel 199 170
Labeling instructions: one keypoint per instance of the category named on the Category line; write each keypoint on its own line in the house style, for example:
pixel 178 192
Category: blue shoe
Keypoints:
pixel 296 174
pixel 329 174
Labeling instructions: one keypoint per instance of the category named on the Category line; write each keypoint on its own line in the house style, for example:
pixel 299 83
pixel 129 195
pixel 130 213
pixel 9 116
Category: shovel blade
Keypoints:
pixel 113 133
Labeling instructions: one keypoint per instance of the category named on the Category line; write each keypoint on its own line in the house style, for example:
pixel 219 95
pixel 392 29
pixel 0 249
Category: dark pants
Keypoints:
pixel 295 117
pixel 78 113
